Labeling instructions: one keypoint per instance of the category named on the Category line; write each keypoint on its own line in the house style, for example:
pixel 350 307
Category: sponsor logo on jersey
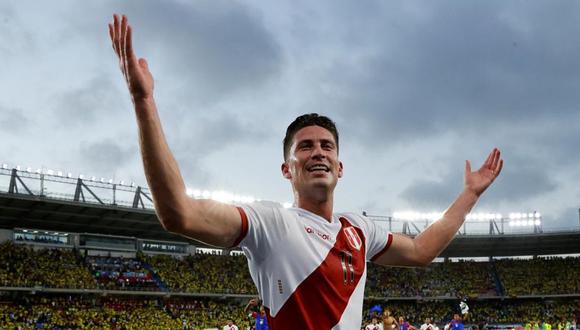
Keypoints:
pixel 322 235
pixel 352 238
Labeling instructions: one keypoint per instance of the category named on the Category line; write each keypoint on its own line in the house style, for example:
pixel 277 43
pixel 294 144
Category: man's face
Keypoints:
pixel 456 317
pixel 374 321
pixel 427 320
pixel 230 323
pixel 400 320
pixel 313 163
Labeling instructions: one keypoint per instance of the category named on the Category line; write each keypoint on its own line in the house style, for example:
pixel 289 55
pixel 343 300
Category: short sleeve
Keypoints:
pixel 264 226
pixel 378 239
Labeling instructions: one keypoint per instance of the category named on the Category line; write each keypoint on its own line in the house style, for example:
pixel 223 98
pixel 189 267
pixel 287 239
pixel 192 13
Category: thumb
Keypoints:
pixel 143 64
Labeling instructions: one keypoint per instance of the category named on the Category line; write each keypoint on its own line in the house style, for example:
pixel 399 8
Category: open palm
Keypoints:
pixel 136 72
pixel 478 181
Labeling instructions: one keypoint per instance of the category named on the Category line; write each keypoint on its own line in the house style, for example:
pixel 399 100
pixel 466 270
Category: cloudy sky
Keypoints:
pixel 416 87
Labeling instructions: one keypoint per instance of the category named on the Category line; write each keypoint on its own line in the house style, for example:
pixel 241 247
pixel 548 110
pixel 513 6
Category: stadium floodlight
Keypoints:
pixel 81 176
pixel 69 175
pixel 132 184
pixel 110 181
pixel 287 205
pixel 4 166
pixel 93 178
pixel 50 172
pixel 537 215
pixel 121 182
pixel 102 180
pixel 18 167
pixel 537 222
pixel 29 169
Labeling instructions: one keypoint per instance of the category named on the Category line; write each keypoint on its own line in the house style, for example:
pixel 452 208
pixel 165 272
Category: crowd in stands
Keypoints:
pixel 204 273
pixel 82 312
pixel 448 279
pixel 102 312
pixel 116 273
pixel 23 266
pixel 539 276
pixel 438 287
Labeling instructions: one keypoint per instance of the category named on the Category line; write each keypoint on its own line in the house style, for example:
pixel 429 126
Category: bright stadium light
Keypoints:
pixel 537 222
pixel 5 166
pixel 69 175
pixel 287 205
pixel 81 176
pixel 29 169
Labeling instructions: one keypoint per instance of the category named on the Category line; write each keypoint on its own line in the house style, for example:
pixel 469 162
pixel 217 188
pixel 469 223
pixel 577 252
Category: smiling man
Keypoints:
pixel 308 263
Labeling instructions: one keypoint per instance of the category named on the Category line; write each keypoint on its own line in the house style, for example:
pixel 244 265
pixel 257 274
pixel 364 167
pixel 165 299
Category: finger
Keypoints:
pixel 143 64
pixel 131 60
pixel 122 43
pixel 497 171
pixel 117 32
pixel 488 160
pixel 496 158
pixel 112 35
pixel 467 167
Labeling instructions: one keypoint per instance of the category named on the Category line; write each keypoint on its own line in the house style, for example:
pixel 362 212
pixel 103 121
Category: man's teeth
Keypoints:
pixel 319 168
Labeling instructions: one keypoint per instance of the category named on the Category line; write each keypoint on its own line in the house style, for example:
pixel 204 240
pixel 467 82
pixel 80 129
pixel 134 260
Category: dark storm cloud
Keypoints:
pixel 521 179
pixel 202 51
pixel 460 67
pixel 106 156
pixel 214 48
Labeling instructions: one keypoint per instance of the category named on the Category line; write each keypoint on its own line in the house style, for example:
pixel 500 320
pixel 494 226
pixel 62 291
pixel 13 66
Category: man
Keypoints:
pixel 456 323
pixel 260 318
pixel 308 264
pixel 230 325
pixel 373 325
pixel 427 325
pixel 404 325
pixel 389 322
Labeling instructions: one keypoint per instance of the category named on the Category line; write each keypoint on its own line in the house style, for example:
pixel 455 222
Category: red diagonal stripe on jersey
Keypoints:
pixel 319 301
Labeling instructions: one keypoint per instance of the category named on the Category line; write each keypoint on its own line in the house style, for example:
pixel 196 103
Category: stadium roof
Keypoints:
pixel 34 212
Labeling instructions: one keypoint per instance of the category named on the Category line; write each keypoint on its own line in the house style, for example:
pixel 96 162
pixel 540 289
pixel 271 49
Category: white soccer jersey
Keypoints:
pixel 372 327
pixel 310 273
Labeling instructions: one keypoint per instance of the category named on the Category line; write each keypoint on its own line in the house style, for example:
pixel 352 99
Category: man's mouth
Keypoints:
pixel 319 167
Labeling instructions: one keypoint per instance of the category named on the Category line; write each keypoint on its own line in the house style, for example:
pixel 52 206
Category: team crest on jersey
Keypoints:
pixel 352 238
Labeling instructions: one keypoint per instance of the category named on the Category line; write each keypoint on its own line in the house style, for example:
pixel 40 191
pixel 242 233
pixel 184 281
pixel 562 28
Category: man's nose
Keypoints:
pixel 318 152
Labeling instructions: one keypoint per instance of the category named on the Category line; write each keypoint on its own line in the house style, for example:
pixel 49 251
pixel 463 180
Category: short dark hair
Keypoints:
pixel 311 119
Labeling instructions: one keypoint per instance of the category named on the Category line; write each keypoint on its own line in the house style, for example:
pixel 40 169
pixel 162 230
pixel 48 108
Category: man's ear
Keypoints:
pixel 286 171
pixel 340 169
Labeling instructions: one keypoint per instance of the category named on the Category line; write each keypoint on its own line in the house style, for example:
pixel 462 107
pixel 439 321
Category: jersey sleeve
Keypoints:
pixel 262 226
pixel 378 239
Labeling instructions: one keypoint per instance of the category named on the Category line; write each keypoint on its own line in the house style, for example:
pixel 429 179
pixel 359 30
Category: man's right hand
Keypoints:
pixel 136 71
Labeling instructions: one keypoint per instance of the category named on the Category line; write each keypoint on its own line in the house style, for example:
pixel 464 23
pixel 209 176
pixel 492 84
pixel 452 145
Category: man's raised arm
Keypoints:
pixel 420 251
pixel 204 220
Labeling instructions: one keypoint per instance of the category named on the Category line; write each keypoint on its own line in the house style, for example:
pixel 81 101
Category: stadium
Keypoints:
pixel 90 253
